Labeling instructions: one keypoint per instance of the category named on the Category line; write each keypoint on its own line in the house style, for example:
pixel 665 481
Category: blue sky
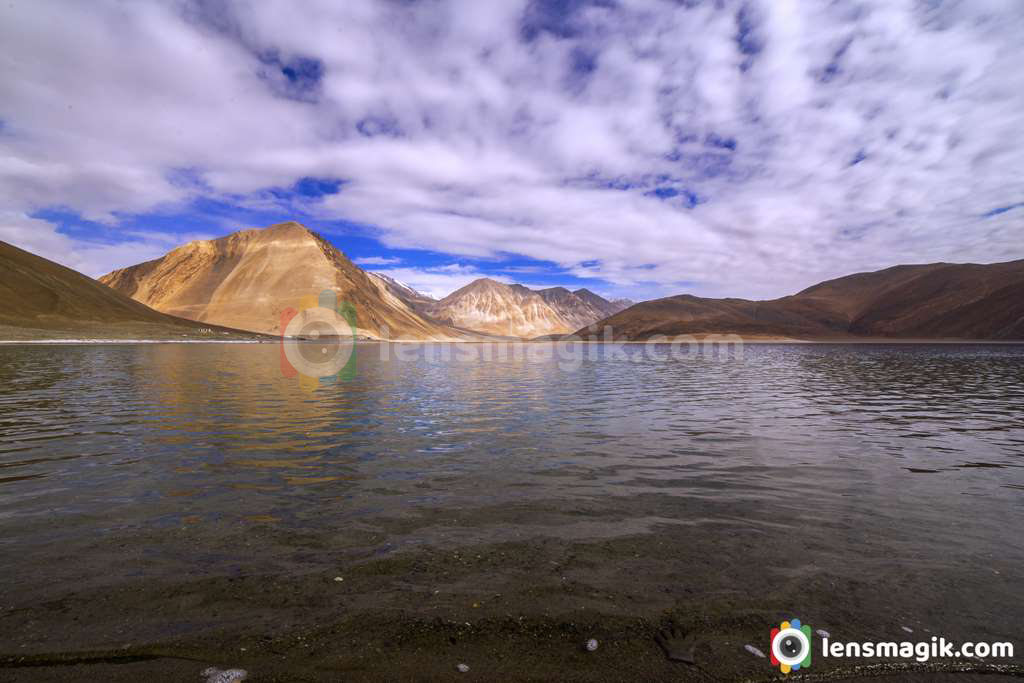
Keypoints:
pixel 639 148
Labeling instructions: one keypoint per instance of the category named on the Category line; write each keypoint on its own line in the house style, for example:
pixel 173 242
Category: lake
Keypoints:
pixel 168 504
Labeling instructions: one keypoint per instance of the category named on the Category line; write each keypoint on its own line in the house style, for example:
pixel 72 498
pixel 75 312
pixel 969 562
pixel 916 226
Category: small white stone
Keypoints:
pixel 907 629
pixel 823 633
pixel 754 651
pixel 591 645
pixel 339 579
pixel 463 668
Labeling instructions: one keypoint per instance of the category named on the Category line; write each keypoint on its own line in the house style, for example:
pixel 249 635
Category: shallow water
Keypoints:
pixel 898 464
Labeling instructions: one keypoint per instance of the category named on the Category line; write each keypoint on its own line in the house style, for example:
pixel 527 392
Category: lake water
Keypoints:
pixel 191 497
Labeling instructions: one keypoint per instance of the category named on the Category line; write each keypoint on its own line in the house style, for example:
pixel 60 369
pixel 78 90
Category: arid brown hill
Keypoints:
pixel 606 306
pixel 43 300
pixel 933 301
pixel 247 278
pixel 496 308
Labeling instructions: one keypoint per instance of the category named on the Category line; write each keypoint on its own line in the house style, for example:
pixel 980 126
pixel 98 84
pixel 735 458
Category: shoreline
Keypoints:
pixel 716 338
pixel 516 611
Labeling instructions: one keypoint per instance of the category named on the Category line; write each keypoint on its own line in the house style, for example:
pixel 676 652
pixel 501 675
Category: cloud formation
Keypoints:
pixel 377 261
pixel 740 148
pixel 439 281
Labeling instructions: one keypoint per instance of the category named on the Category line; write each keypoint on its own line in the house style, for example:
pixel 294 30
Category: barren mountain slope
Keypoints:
pixel 247 278
pixel 606 306
pixel 42 299
pixel 409 296
pixel 934 301
pixel 575 310
pixel 496 308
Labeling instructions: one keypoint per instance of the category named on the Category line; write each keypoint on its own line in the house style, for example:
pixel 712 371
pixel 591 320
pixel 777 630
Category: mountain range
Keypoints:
pixel 932 301
pixel 246 279
pixel 239 284
pixel 513 310
pixel 581 307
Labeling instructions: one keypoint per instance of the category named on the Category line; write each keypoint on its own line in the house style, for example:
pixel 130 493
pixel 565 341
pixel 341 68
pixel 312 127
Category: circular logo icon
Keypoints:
pixel 318 342
pixel 790 646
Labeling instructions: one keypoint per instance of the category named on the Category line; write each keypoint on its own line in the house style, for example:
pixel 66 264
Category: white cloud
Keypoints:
pixel 35 235
pixel 488 142
pixel 377 261
pixel 439 281
pixel 91 257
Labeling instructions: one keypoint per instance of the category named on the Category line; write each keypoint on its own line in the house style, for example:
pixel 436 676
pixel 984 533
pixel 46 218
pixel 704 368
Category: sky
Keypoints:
pixel 640 148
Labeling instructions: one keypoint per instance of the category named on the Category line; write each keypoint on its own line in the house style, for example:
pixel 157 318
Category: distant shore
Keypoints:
pixel 275 340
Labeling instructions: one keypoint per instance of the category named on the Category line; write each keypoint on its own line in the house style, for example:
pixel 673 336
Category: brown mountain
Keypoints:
pixel 493 307
pixel 246 279
pixel 579 308
pixel 606 306
pixel 44 300
pixel 932 301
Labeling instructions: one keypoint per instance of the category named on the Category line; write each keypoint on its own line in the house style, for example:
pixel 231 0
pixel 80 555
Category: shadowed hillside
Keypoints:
pixel 933 301
pixel 42 299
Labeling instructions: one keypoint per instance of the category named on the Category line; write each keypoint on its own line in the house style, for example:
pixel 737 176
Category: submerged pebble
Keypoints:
pixel 907 629
pixel 463 668
pixel 754 651
pixel 823 633
pixel 591 645
pixel 215 675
